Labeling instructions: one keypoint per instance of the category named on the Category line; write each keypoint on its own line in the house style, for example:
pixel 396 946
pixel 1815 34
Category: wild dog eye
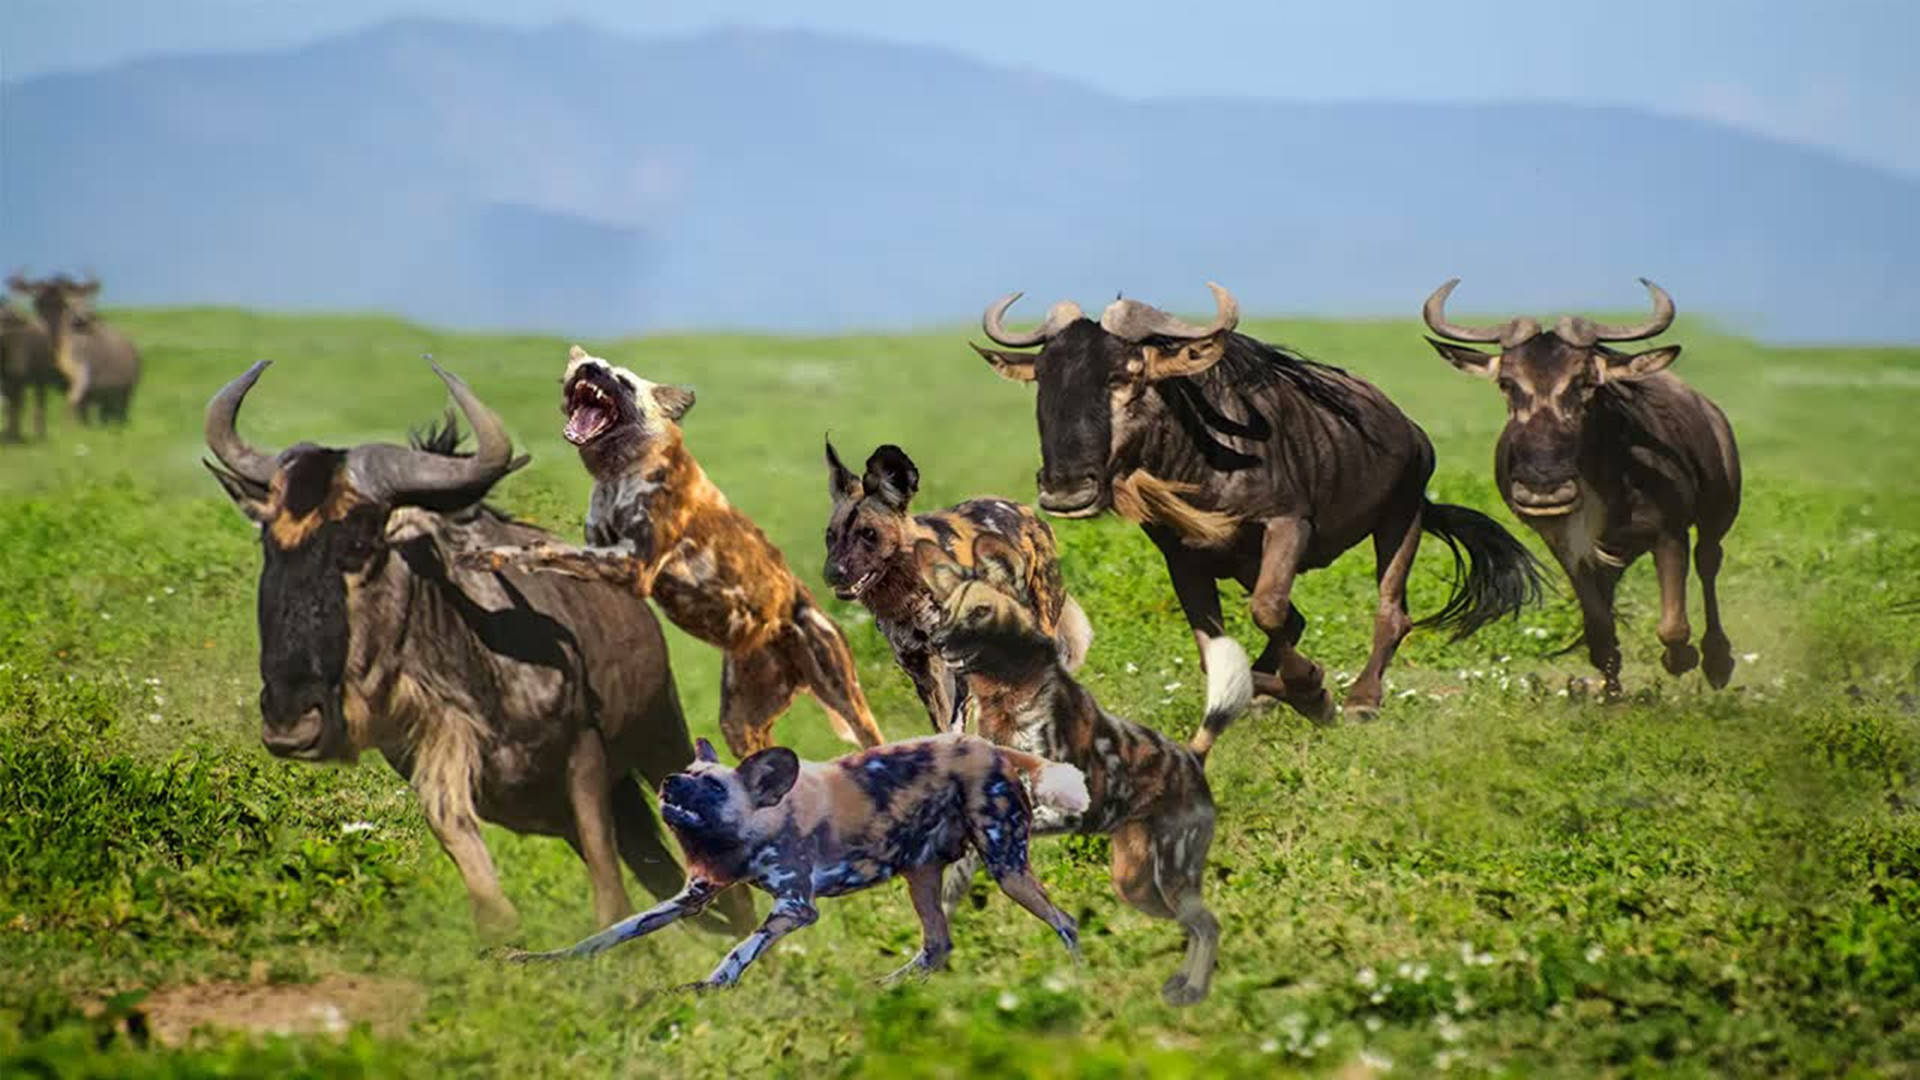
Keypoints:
pixel 977 613
pixel 869 535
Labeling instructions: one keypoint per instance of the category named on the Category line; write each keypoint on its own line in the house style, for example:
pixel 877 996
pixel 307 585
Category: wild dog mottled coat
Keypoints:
pixel 1148 792
pixel 656 521
pixel 871 557
pixel 800 831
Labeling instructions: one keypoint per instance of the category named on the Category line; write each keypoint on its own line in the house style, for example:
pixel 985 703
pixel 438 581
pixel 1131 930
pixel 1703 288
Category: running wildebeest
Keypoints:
pixel 1244 460
pixel 523 699
pixel 26 364
pixel 99 364
pixel 1607 456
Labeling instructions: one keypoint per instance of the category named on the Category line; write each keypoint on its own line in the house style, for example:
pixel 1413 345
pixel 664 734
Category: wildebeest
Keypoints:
pixel 1607 456
pixel 101 366
pixel 26 364
pixel 525 700
pixel 1244 460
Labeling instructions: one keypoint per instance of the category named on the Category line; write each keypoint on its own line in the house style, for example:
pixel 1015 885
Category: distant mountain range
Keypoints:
pixel 569 179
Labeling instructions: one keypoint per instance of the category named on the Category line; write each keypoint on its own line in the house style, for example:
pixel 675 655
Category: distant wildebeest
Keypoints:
pixel 26 364
pixel 1244 460
pixel 525 700
pixel 871 540
pixel 100 365
pixel 659 526
pixel 1608 456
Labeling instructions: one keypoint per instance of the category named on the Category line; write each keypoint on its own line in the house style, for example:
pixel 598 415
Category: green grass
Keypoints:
pixel 1491 877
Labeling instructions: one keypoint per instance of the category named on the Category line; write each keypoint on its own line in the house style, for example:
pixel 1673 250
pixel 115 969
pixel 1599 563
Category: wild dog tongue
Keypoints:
pixel 587 420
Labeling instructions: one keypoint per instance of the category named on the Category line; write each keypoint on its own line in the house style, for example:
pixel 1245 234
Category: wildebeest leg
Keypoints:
pixel 1272 602
pixel 1594 586
pixel 789 913
pixel 39 412
pixel 923 886
pixel 1199 596
pixel 10 427
pixel 593 834
pixel 1670 563
pixel 1394 546
pixel 1706 559
pixel 755 688
pixel 459 836
pixel 822 661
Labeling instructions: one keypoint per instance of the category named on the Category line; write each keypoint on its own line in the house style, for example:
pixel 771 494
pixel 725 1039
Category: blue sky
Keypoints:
pixel 1839 74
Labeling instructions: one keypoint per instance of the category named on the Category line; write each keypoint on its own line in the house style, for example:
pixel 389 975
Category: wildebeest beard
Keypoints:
pixel 1250 364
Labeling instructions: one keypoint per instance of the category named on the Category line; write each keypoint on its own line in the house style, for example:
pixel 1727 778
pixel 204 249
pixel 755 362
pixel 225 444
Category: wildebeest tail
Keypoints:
pixel 1053 783
pixel 1494 575
pixel 1074 635
pixel 1229 689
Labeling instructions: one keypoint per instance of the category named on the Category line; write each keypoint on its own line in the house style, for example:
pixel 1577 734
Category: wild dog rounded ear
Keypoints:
pixel 841 483
pixel 937 570
pixel 998 563
pixel 674 401
pixel 703 751
pixel 891 477
pixel 769 775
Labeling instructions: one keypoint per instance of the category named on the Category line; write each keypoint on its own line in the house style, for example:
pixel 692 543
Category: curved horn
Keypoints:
pixel 1662 318
pixel 1059 316
pixel 401 475
pixel 1131 320
pixel 232 451
pixel 1435 312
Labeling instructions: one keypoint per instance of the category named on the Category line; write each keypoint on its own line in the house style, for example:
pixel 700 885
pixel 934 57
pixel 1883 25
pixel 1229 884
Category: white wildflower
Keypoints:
pixel 1009 1001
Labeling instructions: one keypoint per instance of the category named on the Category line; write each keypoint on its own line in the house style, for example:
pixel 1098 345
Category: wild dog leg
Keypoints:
pixel 1706 559
pixel 618 565
pixel 691 899
pixel 643 847
pixel 824 660
pixel 923 886
pixel 930 683
pixel 1394 546
pixel 997 827
pixel 1670 563
pixel 789 913
pixel 957 881
pixel 593 831
pixel 1180 855
pixel 755 688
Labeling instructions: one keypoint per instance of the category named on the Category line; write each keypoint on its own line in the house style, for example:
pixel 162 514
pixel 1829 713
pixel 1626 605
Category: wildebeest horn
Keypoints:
pixel 225 442
pixel 1580 331
pixel 1131 320
pixel 1058 318
pixel 1507 334
pixel 402 475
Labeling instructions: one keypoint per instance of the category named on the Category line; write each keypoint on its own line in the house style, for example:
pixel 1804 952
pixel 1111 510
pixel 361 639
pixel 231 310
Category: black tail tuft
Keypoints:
pixel 1494 575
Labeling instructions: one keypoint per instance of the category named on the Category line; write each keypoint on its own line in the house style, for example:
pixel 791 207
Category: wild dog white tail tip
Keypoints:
pixel 1229 689
pixel 1062 787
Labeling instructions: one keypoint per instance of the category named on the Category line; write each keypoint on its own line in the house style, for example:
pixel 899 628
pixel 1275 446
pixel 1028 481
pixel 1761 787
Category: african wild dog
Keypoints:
pixel 657 523
pixel 1607 456
pixel 871 539
pixel 1147 791
pixel 800 831
pixel 1243 460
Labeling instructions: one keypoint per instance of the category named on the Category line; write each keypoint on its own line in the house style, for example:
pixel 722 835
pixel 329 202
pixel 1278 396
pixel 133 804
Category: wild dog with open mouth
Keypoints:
pixel 800 831
pixel 656 521
pixel 1148 792
pixel 871 558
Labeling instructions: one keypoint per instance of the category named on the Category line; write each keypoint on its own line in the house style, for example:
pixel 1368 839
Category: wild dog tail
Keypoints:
pixel 826 661
pixel 1073 636
pixel 1054 783
pixel 1229 690
pixel 1494 575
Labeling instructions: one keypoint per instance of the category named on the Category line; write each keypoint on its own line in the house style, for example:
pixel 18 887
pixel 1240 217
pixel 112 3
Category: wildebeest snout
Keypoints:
pixel 1069 492
pixel 298 724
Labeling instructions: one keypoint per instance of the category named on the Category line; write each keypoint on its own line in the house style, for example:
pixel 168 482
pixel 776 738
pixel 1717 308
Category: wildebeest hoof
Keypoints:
pixel 1360 713
pixel 1178 991
pixel 1680 658
pixel 1316 707
pixel 1719 669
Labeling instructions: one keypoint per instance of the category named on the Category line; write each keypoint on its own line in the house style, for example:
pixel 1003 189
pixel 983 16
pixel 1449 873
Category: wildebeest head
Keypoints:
pixel 1092 379
pixel 1550 378
pixel 65 306
pixel 330 520
pixel 611 412
pixel 870 521
pixel 711 806
pixel 986 619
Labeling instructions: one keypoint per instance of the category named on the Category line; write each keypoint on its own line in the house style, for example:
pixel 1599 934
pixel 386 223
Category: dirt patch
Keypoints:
pixel 328 1007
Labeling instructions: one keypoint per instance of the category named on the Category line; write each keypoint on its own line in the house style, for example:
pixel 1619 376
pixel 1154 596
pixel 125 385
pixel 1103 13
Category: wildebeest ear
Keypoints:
pixel 1471 361
pixel 703 751
pixel 999 564
pixel 937 570
pixel 1613 365
pixel 1189 358
pixel 891 477
pixel 674 400
pixel 841 483
pixel 1010 365
pixel 250 497
pixel 769 775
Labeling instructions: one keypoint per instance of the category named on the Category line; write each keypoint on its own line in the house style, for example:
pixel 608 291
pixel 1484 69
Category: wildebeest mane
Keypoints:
pixel 1249 366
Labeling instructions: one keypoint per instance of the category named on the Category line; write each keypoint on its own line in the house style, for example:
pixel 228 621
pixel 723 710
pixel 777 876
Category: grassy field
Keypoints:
pixel 1491 878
